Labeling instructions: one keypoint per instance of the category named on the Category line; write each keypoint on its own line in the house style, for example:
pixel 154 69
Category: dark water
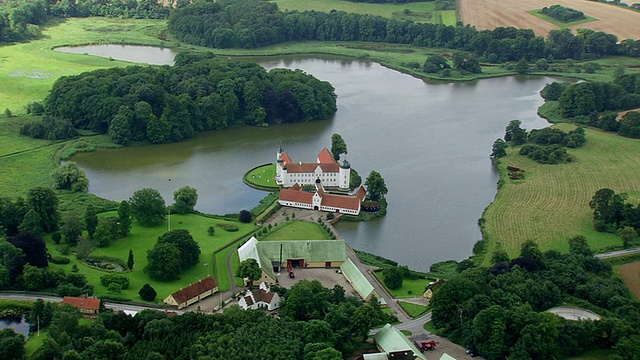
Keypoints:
pixel 19 325
pixel 430 142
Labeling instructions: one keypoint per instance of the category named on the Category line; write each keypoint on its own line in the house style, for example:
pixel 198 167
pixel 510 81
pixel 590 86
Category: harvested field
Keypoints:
pixel 630 273
pixel 489 14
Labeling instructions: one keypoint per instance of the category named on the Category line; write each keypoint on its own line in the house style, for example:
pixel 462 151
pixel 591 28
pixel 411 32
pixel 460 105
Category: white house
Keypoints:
pixel 326 169
pixel 322 200
pixel 260 298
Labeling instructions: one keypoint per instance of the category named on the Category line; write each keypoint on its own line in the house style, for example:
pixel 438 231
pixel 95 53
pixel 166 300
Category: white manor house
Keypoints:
pixel 326 169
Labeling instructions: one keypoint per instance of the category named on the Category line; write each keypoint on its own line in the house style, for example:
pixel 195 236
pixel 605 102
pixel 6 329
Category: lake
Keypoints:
pixel 429 141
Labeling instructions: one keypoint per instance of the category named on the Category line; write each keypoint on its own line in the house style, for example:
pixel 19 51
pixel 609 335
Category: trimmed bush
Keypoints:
pixel 228 227
pixel 147 293
pixel 118 279
pixel 60 260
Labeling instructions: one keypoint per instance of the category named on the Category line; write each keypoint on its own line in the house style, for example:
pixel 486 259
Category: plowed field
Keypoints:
pixel 489 14
pixel 630 273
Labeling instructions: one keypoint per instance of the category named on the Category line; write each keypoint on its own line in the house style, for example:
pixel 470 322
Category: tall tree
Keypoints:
pixel 185 200
pixel 33 247
pixel 130 261
pixel 106 231
pixel 45 203
pixel 72 228
pixel 147 206
pixel 11 345
pixel 499 149
pixel 124 219
pixel 163 262
pixel 90 219
pixel 186 245
pixel 249 269
pixel 376 188
pixel 338 146
pixel 31 223
pixel 515 133
pixel 70 177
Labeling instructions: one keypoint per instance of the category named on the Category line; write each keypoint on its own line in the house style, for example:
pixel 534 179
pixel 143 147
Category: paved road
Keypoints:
pixel 618 253
pixel 572 313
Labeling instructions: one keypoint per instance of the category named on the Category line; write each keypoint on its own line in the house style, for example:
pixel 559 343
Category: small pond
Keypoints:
pixel 137 54
pixel 18 324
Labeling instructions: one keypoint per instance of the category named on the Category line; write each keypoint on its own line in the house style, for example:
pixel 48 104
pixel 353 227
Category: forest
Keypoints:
pixel 499 312
pixel 254 23
pixel 167 104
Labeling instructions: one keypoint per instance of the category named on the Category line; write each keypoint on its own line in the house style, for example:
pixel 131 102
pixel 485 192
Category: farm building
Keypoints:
pixel 395 345
pixel 273 256
pixel 326 169
pixel 89 307
pixel 261 298
pixel 193 293
pixel 322 200
pixel 359 282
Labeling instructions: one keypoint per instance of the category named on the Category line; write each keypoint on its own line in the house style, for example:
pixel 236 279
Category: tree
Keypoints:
pixel 607 209
pixel 120 126
pixel 11 345
pixel 362 320
pixel 185 200
pixel 31 223
pixel 45 203
pixel 147 293
pixel 499 149
pixel 72 228
pixel 245 216
pixel 515 133
pixel 130 262
pixel 376 188
pixel 435 63
pixel 70 177
pixel 392 277
pixel 90 220
pixel 306 300
pixel 522 66
pixel 628 235
pixel 124 219
pixel 249 269
pixel 186 245
pixel 84 248
pixel 33 247
pixel 163 262
pixel 338 146
pixel 147 206
pixel 106 231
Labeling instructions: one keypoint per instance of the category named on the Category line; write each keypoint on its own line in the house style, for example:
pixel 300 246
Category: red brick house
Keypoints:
pixel 89 307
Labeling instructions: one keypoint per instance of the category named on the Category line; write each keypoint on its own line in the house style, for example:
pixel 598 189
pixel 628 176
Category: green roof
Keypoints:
pixel 309 250
pixel 446 356
pixel 249 250
pixel 376 356
pixel 357 279
pixel 390 340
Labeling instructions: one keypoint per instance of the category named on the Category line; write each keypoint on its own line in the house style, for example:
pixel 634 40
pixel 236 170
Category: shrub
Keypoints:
pixel 211 231
pixel 245 216
pixel 147 293
pixel 109 279
pixel 56 237
pixel 60 260
pixel 228 227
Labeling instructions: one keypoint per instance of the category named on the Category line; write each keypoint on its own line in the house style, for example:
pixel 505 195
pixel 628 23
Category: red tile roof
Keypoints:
pixel 361 193
pixel 298 195
pixel 341 201
pixel 82 303
pixel 262 295
pixel 194 290
pixel 326 157
pixel 311 167
pixel 285 158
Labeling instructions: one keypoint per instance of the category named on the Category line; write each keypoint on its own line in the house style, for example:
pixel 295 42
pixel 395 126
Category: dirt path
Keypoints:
pixel 489 14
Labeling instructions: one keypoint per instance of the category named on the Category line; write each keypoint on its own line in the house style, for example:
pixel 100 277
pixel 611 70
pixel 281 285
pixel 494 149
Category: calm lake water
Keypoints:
pixel 430 142
pixel 19 325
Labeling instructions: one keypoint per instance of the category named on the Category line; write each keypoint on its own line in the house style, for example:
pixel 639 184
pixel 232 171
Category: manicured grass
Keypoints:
pixel 559 23
pixel 414 310
pixel 410 288
pixel 35 341
pixel 420 12
pixel 142 239
pixel 552 204
pixel 262 176
pixel 296 230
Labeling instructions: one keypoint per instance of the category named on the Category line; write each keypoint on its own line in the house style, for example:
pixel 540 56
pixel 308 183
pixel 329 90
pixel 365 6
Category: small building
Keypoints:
pixel 261 298
pixel 193 293
pixel 322 200
pixel 325 169
pixel 392 342
pixel 359 282
pixel 89 307
pixel 446 356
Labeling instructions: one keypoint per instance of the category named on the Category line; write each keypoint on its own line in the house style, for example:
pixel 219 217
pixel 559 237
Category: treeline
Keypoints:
pixel 598 103
pixel 254 23
pixel 439 4
pixel 20 20
pixel 611 212
pixel 562 13
pixel 166 104
pixel 499 312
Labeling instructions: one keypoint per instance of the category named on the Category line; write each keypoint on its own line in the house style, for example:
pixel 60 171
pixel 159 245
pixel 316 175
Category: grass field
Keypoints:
pixel 420 12
pixel 559 23
pixel 296 230
pixel 410 287
pixel 142 239
pixel 551 205
pixel 262 176
pixel 630 273
pixel 413 310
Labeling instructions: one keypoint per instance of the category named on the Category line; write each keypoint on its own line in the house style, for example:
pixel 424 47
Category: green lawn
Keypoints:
pixel 262 176
pixel 35 341
pixel 552 204
pixel 296 230
pixel 419 12
pixel 559 23
pixel 414 310
pixel 410 287
pixel 142 239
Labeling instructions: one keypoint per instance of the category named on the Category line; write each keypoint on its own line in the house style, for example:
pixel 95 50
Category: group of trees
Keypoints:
pixel 562 13
pixel 546 146
pixel 175 251
pixel 69 176
pixel 611 213
pixel 165 104
pixel 462 61
pixel 252 23
pixel 38 213
pixel 499 312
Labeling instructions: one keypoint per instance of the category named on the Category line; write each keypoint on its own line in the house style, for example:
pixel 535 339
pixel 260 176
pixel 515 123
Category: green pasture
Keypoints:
pixel 262 176
pixel 419 12
pixel 296 230
pixel 558 23
pixel 552 204
pixel 410 288
pixel 413 310
pixel 141 239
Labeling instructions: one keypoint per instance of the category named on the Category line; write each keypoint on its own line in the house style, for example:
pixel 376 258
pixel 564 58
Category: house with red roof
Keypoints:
pixel 261 298
pixel 326 169
pixel 193 293
pixel 89 307
pixel 322 200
